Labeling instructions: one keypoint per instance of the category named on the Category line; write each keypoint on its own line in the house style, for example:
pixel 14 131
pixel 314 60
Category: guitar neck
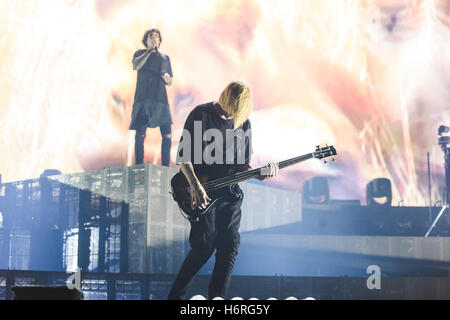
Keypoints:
pixel 283 164
pixel 290 162
pixel 242 176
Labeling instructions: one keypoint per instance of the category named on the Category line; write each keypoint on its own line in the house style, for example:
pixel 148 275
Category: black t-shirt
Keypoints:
pixel 211 144
pixel 150 84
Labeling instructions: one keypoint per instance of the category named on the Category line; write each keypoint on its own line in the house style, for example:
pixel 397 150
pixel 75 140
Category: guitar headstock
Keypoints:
pixel 324 152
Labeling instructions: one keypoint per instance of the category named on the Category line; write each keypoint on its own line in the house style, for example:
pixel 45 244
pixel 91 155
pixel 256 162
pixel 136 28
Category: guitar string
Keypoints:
pixel 248 174
pixel 213 185
pixel 281 165
pixel 238 177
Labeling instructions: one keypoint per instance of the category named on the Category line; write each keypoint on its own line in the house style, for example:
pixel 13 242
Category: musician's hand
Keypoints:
pixel 270 171
pixel 199 197
pixel 167 79
pixel 151 44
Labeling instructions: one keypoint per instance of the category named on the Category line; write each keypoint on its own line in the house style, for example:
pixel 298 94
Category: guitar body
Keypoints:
pixel 181 194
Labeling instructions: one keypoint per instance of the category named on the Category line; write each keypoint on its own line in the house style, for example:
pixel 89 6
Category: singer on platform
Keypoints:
pixel 151 107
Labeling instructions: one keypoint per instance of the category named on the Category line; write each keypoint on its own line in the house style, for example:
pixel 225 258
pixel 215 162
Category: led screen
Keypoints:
pixel 370 77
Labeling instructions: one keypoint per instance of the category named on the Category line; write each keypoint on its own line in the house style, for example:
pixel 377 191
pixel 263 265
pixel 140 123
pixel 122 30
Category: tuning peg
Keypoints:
pixel 333 159
pixel 325 161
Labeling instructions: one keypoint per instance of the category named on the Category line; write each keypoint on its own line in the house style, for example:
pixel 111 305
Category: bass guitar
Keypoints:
pixel 219 188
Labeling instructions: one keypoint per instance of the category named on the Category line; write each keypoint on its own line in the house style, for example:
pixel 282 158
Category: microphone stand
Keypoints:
pixel 443 142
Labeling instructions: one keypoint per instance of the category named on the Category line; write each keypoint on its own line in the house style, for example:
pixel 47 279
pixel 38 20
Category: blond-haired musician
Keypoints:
pixel 216 141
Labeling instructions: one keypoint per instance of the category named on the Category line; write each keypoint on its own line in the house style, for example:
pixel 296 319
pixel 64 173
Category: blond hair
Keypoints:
pixel 236 100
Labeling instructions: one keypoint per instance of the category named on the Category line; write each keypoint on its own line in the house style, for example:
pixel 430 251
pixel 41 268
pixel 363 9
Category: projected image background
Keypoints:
pixel 370 77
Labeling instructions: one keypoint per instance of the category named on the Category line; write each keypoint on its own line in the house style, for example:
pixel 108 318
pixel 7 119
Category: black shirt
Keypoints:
pixel 149 84
pixel 151 106
pixel 211 144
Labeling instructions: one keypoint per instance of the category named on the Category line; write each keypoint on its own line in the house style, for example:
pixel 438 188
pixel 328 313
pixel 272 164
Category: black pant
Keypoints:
pixel 166 144
pixel 218 230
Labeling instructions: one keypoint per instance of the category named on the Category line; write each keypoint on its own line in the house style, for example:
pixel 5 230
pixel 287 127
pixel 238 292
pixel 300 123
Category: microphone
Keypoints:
pixel 152 44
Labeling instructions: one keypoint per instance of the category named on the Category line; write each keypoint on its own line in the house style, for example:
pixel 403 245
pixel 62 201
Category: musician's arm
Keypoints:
pixel 188 171
pixel 199 196
pixel 140 58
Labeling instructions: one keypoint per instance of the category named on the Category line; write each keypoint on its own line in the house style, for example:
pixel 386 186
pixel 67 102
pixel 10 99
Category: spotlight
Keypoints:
pixel 316 191
pixel 379 192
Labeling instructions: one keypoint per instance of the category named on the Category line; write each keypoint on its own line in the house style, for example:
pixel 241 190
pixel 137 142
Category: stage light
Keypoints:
pixel 379 192
pixel 316 191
